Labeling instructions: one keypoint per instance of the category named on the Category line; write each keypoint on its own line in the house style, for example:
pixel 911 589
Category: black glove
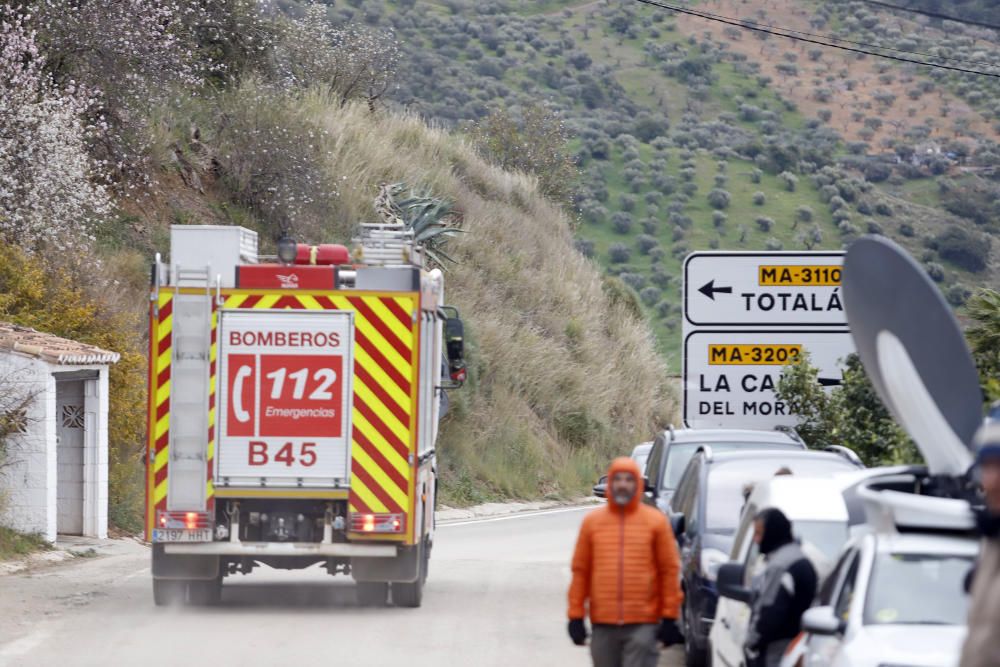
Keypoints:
pixel 669 634
pixel 577 631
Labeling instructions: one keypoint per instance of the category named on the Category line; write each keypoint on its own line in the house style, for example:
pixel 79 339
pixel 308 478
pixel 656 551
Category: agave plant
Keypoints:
pixel 432 220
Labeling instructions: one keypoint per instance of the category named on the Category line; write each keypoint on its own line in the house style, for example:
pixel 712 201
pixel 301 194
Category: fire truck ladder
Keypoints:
pixel 189 392
pixel 388 245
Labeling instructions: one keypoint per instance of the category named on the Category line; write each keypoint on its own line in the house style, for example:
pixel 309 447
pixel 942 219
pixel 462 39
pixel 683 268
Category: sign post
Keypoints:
pixel 746 316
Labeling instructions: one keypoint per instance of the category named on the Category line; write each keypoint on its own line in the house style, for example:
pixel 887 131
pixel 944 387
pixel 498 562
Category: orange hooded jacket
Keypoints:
pixel 626 564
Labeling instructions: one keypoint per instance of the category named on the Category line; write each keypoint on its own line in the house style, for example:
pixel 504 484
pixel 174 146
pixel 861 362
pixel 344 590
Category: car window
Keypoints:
pixel 683 489
pixel 744 533
pixel 640 460
pixel 727 481
pixel 845 595
pixel 901 585
pixel 827 537
pixel 829 585
pixel 652 470
pixel 679 454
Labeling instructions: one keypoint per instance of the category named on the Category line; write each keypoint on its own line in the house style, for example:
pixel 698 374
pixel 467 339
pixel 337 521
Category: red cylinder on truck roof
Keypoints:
pixel 326 254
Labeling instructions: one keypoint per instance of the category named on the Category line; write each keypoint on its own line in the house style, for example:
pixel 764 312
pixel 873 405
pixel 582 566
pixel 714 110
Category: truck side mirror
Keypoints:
pixel 454 341
pixel 677 524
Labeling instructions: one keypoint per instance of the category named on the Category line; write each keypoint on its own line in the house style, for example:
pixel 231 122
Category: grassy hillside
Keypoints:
pixel 667 109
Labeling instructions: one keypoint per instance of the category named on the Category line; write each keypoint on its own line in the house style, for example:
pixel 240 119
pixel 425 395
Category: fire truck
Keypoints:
pixel 294 404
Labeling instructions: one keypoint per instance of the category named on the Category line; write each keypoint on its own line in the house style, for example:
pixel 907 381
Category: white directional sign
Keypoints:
pixel 731 377
pixel 748 289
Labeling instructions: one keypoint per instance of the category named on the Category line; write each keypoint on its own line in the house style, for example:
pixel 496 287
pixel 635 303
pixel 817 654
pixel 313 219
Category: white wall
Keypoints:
pixel 29 485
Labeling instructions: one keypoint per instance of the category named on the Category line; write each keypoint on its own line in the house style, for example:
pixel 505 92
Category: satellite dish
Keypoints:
pixel 913 351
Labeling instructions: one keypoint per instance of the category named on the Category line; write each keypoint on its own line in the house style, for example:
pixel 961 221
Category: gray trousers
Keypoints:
pixel 624 646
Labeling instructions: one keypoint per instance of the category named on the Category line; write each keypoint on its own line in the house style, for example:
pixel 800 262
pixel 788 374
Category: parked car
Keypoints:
pixel 673 448
pixel 897 595
pixel 706 510
pixel 640 454
pixel 821 521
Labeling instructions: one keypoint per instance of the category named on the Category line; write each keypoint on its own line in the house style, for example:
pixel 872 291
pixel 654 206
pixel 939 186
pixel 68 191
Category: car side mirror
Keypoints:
pixel 822 621
pixel 649 488
pixel 729 581
pixel 677 523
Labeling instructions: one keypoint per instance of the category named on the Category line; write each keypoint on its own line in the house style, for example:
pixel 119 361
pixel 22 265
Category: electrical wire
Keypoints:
pixel 832 38
pixel 935 15
pixel 738 24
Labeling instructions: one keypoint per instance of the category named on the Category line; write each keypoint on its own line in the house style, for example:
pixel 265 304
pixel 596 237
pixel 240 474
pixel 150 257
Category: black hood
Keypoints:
pixel 777 530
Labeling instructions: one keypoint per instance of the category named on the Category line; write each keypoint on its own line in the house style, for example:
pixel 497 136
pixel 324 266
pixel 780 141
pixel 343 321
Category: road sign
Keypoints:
pixel 731 376
pixel 753 289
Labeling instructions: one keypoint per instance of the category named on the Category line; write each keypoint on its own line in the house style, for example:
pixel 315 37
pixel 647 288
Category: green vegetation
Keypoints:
pixel 14 544
pixel 686 138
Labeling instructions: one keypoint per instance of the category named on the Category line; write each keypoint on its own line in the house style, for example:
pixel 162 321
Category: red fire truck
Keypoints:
pixel 293 410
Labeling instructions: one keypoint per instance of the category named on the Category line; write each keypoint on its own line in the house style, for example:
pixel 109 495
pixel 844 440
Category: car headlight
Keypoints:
pixel 711 560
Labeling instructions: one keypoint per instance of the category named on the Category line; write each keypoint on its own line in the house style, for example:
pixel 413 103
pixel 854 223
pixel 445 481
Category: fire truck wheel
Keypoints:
pixel 408 595
pixel 205 593
pixel 372 593
pixel 168 592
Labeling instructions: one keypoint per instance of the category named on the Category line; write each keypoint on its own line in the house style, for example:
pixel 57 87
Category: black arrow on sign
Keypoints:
pixel 830 382
pixel 710 290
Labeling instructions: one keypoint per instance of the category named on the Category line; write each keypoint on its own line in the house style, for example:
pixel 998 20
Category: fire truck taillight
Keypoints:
pixel 377 523
pixel 191 520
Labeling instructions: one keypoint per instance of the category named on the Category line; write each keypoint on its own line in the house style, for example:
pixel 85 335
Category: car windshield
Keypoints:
pixel 640 458
pixel 827 537
pixel 727 481
pixel 902 584
pixel 679 454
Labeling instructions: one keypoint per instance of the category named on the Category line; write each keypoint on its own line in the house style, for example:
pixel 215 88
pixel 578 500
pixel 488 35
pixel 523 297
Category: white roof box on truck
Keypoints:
pixel 203 254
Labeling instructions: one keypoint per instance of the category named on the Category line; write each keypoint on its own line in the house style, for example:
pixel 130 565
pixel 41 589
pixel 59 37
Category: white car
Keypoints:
pixel 819 517
pixel 893 599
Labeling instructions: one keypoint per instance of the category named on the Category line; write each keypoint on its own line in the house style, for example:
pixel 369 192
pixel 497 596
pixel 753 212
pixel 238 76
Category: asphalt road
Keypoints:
pixel 496 596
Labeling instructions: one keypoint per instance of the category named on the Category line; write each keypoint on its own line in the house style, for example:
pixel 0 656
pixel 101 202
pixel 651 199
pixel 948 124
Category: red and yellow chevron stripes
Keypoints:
pixel 160 421
pixel 383 417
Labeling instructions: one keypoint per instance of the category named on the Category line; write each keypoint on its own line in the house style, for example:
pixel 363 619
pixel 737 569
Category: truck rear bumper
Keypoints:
pixel 264 549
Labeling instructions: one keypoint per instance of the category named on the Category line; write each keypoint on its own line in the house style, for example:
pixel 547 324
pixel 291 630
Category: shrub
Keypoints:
pixel 622 222
pixel 789 179
pixel 719 219
pixel 906 229
pixel 273 161
pixel 804 214
pixel 773 244
pixel 935 271
pixel 882 208
pixel 650 295
pixel 759 198
pixel 719 199
pixel 585 247
pixel 645 242
pixel 619 253
pixel 756 175
pixel 958 294
pixel 628 202
pixel 967 251
pixel 764 223
pixel 536 145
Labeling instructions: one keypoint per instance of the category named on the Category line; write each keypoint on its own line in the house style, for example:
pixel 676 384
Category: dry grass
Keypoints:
pixel 561 378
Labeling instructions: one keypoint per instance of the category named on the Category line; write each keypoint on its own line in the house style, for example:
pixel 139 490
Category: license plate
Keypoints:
pixel 181 535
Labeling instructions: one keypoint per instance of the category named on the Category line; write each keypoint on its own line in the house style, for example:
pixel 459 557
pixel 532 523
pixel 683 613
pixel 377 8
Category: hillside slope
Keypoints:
pixel 691 134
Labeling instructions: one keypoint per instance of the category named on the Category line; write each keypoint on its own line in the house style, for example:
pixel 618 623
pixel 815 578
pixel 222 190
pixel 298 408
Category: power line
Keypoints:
pixel 936 15
pixel 736 23
pixel 832 38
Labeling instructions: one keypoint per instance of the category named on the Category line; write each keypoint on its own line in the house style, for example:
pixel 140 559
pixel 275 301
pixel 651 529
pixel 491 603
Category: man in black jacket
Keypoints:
pixel 785 591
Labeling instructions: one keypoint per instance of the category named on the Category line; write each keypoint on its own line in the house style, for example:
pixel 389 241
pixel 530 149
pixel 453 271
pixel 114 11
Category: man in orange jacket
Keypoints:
pixel 627 570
